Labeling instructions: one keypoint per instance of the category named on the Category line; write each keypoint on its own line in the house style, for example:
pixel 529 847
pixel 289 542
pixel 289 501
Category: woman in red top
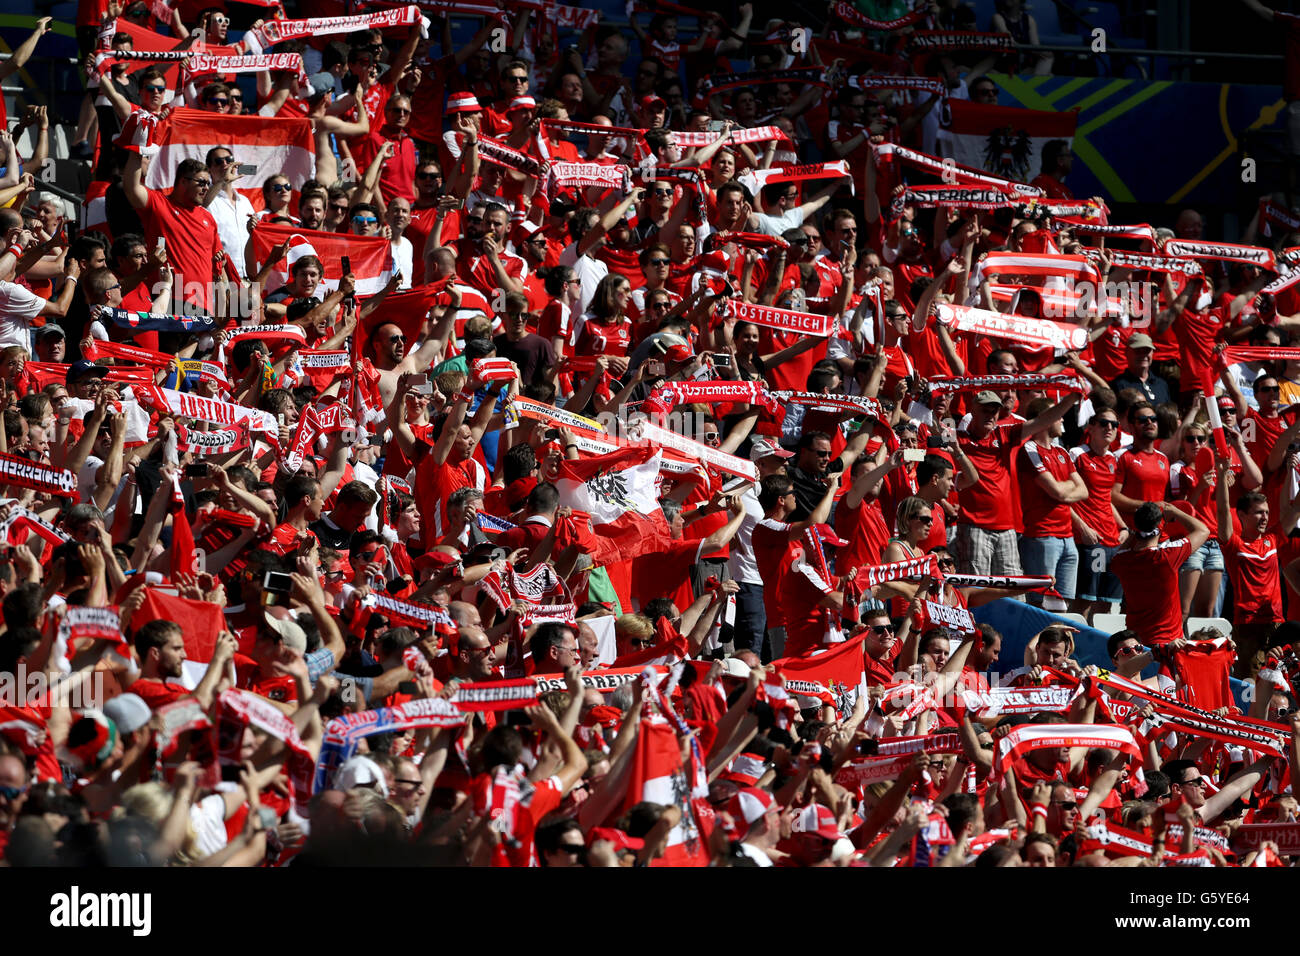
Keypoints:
pixel 605 328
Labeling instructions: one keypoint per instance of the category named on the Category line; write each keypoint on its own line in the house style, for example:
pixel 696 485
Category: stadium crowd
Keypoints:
pixel 518 452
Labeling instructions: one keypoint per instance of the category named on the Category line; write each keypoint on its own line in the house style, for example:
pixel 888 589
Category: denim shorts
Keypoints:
pixel 1208 557
pixel 1096 582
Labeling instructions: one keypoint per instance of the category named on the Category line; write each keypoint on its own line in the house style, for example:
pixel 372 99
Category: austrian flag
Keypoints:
pixel 615 489
pixel 1005 140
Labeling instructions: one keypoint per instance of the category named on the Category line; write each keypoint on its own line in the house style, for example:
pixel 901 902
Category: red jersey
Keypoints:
pixel 1096 511
pixel 192 244
pixel 807 623
pixel 1044 516
pixel 1187 483
pixel 1263 434
pixel 666 574
pixel 434 483
pixel 865 530
pixel 988 503
pixel 1143 475
pixel 1256 582
pixel 772 550
pixel 1197 333
pixel 156 693
pixel 1150 581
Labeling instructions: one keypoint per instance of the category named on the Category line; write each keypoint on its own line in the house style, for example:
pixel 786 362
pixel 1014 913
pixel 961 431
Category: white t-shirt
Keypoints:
pixel 232 226
pixel 589 272
pixel 18 306
pixel 741 563
pixel 403 258
pixel 758 856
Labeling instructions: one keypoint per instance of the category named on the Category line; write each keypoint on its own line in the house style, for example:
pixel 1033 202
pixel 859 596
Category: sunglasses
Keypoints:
pixel 924 519
pixel 202 183
pixel 223 101
pixel 814 238
pixel 1198 782
pixel 368 555
pixel 1128 650
pixel 338 207
pixel 365 220
pixel 516 79
pixel 12 793
pixel 428 175
pixel 1195 439
pixel 658 262
pixel 1107 423
pixel 397 338
pixel 399 109
pixel 822 454
pixel 225 160
pixel 1269 388
pixel 155 89
pixel 285 188
pixel 1144 420
pixel 712 436
pixel 641 644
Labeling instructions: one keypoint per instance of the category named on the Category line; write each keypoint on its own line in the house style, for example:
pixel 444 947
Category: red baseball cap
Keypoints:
pixel 817 819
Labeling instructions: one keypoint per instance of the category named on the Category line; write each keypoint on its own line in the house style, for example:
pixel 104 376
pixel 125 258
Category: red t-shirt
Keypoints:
pixel 192 244
pixel 988 504
pixel 865 530
pixel 1096 511
pixel 1197 333
pixel 882 671
pixel 156 693
pixel 772 549
pixel 1263 434
pixel 806 621
pixel 1143 475
pixel 1150 581
pixel 1044 516
pixel 434 483
pixel 1256 582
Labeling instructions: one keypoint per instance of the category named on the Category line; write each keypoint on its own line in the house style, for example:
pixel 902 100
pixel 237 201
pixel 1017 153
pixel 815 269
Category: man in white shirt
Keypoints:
pixel 398 217
pixel 229 207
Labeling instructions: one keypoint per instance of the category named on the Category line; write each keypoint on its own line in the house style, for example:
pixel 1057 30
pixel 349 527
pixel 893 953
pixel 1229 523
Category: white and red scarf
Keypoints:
pixel 1011 328
pixel 1032 380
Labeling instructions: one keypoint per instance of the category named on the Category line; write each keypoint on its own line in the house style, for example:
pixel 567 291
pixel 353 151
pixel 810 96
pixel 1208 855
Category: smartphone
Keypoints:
pixel 199 469
pixel 162 244
pixel 913 454
pixel 349 301
pixel 422 385
pixel 655 369
pixel 722 360
pixel 716 126
pixel 245 169
pixel 347 264
pixel 277 582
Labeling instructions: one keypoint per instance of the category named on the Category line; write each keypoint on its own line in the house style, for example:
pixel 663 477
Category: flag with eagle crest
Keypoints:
pixel 620 493
pixel 1005 140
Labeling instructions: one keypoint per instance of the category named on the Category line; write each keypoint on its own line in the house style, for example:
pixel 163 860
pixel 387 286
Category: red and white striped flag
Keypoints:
pixel 276 146
pixel 371 257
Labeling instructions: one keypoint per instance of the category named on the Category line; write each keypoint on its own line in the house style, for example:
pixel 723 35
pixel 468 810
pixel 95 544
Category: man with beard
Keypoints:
pixel 160 646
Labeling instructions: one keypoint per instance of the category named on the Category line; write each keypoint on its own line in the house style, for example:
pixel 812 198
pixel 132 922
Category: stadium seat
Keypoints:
pixel 1222 625
pixel 1073 618
pixel 1110 623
